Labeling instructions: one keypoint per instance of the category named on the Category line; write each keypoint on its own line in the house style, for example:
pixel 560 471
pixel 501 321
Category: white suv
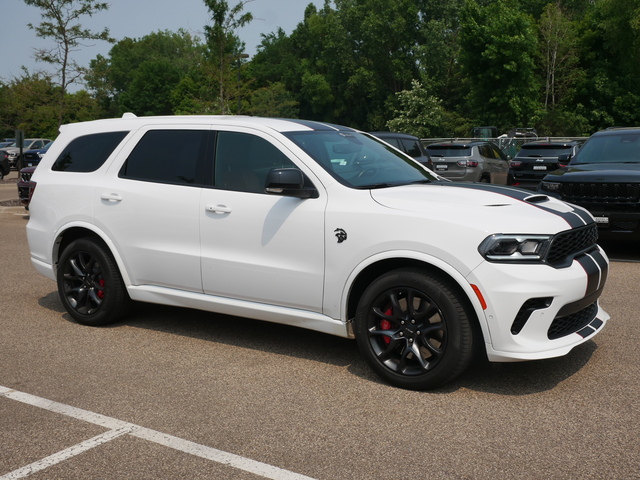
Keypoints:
pixel 318 226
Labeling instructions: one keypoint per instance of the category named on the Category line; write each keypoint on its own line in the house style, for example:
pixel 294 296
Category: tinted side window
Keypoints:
pixel 167 156
pixel 243 162
pixel 412 148
pixel 394 142
pixel 88 153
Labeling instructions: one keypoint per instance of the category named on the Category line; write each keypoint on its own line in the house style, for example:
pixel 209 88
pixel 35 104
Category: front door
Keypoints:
pixel 256 246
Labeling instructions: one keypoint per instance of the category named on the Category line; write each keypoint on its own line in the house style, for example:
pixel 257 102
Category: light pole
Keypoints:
pixel 239 58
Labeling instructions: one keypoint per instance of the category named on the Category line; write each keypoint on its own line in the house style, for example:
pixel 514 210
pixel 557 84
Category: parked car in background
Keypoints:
pixel 314 225
pixel 13 152
pixel 4 167
pixel 408 144
pixel 25 185
pixel 31 158
pixel 535 159
pixel 604 178
pixel 475 161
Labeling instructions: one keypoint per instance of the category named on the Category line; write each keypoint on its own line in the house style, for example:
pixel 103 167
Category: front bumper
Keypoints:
pixel 537 311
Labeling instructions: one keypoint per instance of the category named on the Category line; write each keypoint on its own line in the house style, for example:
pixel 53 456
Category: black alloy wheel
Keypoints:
pixel 90 285
pixel 413 330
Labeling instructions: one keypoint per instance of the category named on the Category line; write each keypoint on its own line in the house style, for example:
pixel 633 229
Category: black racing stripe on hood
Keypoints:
pixel 575 218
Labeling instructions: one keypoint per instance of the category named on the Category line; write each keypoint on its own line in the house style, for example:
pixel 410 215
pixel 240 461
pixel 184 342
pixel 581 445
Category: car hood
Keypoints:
pixel 493 208
pixel 597 172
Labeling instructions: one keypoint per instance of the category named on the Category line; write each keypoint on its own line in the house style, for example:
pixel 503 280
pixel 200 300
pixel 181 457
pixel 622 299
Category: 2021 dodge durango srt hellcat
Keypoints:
pixel 318 226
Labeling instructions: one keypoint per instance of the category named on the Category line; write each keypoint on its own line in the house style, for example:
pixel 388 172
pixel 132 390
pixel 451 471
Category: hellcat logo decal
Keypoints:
pixel 341 235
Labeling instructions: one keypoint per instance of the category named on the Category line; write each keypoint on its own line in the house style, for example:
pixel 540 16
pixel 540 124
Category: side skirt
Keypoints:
pixel 240 308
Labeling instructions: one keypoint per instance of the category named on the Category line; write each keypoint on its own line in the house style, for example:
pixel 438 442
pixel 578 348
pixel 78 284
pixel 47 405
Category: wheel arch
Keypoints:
pixel 465 291
pixel 73 232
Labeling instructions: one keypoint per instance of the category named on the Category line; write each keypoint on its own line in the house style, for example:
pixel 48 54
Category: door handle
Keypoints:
pixel 111 197
pixel 220 209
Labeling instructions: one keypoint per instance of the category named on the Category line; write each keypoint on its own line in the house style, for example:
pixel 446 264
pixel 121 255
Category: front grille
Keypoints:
pixel 623 226
pixel 616 193
pixel 563 326
pixel 566 245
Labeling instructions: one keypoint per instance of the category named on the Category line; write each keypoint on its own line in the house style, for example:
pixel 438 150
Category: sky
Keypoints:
pixel 135 19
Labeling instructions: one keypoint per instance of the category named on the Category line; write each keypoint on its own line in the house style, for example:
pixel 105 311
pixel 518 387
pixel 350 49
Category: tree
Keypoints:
pixel 609 93
pixel 225 50
pixel 273 101
pixel 142 75
pixel 62 25
pixel 499 49
pixel 28 103
pixel 559 56
pixel 420 113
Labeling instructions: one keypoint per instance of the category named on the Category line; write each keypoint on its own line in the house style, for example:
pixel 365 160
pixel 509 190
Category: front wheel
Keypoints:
pixel 90 285
pixel 413 330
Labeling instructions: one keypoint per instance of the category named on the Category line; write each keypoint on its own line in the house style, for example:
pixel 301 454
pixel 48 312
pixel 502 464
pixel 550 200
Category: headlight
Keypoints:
pixel 514 248
pixel 550 186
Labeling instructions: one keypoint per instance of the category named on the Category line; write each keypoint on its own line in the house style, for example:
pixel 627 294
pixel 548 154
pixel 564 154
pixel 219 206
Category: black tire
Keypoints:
pixel 1 173
pixel 418 344
pixel 90 284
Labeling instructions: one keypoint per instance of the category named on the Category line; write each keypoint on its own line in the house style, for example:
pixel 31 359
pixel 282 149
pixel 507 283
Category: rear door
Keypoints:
pixel 149 205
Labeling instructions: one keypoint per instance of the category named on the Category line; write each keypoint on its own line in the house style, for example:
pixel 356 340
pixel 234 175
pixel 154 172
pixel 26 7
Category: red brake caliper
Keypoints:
pixel 100 292
pixel 386 325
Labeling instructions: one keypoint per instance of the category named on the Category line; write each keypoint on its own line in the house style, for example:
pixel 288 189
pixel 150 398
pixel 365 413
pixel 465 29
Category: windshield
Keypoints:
pixel 544 151
pixel 622 148
pixel 360 161
pixel 449 151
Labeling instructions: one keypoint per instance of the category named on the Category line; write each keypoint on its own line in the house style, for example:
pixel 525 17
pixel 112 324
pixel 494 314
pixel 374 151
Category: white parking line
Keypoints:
pixel 64 454
pixel 118 428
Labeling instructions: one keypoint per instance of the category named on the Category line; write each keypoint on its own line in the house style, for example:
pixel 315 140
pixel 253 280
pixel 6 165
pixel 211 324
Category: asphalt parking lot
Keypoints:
pixel 171 393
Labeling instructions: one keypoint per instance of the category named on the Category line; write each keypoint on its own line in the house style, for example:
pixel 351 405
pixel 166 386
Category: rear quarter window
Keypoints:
pixel 88 153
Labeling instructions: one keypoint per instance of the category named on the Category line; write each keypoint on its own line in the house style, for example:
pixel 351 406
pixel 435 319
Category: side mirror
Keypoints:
pixel 288 182
pixel 564 159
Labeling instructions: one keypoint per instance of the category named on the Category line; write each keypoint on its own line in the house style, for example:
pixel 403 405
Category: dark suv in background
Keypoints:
pixel 604 178
pixel 536 159
pixel 408 144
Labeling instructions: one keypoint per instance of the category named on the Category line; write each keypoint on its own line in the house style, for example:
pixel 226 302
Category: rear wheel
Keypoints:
pixel 413 330
pixel 90 285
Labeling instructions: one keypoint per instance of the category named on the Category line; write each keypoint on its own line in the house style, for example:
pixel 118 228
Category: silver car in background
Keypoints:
pixel 475 161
